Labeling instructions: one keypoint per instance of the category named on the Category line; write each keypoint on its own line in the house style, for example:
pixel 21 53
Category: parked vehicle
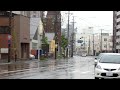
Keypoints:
pixel 108 66
pixel 32 56
pixel 84 55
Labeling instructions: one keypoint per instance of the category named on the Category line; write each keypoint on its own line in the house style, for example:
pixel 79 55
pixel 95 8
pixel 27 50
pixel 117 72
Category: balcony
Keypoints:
pixel 118 33
pixel 118 26
pixel 118 40
pixel 118 13
pixel 118 20
pixel 117 46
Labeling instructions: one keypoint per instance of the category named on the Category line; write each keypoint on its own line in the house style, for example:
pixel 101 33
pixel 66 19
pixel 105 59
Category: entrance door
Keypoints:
pixel 24 50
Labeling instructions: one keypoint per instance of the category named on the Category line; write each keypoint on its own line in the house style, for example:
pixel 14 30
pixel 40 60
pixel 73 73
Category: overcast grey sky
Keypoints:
pixel 96 19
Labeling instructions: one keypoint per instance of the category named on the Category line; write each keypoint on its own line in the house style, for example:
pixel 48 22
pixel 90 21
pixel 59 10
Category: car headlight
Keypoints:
pixel 98 66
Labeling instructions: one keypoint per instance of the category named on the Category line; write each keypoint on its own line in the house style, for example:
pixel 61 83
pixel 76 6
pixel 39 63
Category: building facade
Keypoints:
pixel 36 30
pixel 107 44
pixel 20 36
pixel 116 31
pixel 92 43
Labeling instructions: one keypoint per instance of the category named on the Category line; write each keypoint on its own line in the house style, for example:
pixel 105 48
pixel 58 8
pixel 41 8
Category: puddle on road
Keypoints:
pixel 17 66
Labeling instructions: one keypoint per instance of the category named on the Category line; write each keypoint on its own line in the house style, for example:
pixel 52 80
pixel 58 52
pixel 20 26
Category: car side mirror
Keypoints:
pixel 95 62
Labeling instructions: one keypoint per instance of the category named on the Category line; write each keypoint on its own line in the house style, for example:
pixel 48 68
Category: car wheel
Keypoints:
pixel 96 78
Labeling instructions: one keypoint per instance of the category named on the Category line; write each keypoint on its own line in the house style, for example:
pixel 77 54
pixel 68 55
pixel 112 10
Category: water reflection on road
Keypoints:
pixel 74 68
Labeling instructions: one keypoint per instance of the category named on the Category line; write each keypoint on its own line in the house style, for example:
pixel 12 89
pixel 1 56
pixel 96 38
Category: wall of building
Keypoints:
pixel 116 31
pixel 22 27
pixel 4 21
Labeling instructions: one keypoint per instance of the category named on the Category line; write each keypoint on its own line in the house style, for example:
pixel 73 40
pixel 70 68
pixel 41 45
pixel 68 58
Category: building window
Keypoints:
pixel 117 30
pixel 110 47
pixel 105 46
pixel 118 16
pixel 117 37
pixel 34 16
pixel 105 39
pixel 34 12
pixel 118 23
pixel 34 45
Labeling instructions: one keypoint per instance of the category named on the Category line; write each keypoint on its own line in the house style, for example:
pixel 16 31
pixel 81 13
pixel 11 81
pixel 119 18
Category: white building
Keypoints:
pixel 106 42
pixel 92 42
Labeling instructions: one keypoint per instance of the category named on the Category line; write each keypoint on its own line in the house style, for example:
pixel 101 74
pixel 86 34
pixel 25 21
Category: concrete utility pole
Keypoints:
pixel 93 46
pixel 55 27
pixel 89 46
pixel 72 38
pixel 101 40
pixel 9 44
pixel 68 35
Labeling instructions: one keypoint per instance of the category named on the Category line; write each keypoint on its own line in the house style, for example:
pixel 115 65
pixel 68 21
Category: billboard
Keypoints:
pixel 4 50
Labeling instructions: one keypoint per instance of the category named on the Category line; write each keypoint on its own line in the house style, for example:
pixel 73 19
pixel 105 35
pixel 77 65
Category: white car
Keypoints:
pixel 98 57
pixel 108 66
pixel 32 56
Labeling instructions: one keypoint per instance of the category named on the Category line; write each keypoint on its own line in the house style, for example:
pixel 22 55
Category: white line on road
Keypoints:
pixel 86 72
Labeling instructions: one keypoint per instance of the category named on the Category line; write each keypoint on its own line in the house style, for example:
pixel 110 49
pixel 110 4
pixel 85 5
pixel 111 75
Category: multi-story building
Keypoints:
pixel 20 29
pixel 107 43
pixel 116 31
pixel 36 30
pixel 92 43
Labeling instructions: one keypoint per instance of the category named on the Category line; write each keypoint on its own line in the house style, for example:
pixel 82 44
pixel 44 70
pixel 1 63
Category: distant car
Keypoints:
pixel 84 55
pixel 108 66
pixel 32 56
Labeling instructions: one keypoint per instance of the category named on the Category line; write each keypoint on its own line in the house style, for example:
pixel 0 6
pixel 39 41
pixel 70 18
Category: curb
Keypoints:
pixel 17 71
pixel 18 62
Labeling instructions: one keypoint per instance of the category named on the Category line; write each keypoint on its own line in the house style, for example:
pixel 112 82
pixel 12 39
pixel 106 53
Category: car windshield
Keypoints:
pixel 99 55
pixel 110 59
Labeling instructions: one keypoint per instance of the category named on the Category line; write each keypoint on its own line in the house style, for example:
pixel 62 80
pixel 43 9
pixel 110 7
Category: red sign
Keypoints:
pixel 9 37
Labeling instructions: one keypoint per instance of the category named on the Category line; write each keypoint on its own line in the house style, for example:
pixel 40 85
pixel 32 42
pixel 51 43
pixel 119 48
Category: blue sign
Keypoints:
pixel 9 41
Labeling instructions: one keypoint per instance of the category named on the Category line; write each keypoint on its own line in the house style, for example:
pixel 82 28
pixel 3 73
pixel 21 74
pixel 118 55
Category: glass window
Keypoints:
pixel 105 46
pixel 105 39
pixel 110 59
pixel 34 45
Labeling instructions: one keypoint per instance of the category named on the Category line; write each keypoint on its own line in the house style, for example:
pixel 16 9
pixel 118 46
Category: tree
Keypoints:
pixel 64 42
pixel 44 40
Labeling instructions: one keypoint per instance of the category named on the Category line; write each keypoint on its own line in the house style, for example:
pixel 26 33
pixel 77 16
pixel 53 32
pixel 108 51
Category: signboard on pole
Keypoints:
pixel 4 50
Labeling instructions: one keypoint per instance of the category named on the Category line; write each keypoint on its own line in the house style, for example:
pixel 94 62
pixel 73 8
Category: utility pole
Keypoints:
pixel 55 27
pixel 101 41
pixel 93 46
pixel 89 46
pixel 68 34
pixel 72 38
pixel 106 46
pixel 9 44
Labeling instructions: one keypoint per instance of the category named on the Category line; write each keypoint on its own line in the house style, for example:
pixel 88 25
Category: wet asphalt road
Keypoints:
pixel 74 68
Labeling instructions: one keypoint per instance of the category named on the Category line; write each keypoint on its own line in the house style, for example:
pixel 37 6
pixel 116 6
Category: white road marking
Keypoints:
pixel 86 72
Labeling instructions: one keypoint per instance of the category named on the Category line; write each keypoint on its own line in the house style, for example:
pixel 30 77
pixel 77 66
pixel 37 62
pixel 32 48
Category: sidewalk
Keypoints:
pixel 3 62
